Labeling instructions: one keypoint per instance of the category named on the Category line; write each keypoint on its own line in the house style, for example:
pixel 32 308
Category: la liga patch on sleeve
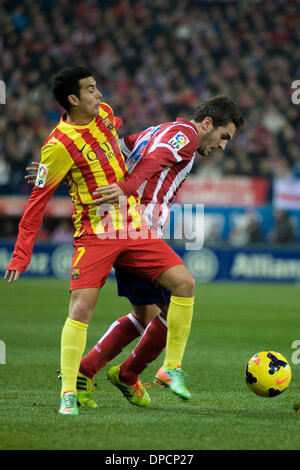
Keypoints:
pixel 41 176
pixel 179 140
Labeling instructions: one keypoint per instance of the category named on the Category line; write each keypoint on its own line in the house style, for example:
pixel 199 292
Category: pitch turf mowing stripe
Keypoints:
pixel 231 323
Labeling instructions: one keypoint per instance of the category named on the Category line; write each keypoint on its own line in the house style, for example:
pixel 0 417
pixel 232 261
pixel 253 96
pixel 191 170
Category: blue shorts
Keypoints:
pixel 138 290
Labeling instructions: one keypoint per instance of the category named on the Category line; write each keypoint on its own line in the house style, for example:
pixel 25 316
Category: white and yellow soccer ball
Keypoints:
pixel 268 373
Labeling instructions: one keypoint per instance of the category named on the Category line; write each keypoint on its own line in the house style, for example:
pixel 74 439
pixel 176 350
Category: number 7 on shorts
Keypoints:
pixel 81 251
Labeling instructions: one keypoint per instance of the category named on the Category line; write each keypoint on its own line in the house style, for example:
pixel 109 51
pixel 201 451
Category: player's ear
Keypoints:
pixel 73 100
pixel 207 124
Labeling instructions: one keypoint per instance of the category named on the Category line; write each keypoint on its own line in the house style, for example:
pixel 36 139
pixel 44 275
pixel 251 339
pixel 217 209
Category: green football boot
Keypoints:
pixel 68 404
pixel 174 379
pixel 135 394
pixel 85 388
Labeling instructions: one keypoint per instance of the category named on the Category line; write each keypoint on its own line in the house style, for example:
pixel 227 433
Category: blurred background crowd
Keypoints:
pixel 154 60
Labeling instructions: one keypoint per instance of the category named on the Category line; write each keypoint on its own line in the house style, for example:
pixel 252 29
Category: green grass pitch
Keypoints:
pixel 231 323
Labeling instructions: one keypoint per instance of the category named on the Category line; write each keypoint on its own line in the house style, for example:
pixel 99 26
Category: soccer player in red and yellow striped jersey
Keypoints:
pixel 83 150
pixel 84 156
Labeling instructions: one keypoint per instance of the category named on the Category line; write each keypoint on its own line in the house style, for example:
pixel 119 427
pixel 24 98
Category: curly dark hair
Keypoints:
pixel 221 109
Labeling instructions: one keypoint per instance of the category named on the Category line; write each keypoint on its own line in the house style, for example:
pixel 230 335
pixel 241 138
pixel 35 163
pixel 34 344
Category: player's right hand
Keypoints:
pixel 12 275
pixel 112 194
pixel 32 177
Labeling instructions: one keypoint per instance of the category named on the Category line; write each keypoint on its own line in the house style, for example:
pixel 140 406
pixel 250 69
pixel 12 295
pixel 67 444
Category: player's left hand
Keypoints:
pixel 31 177
pixel 12 275
pixel 113 193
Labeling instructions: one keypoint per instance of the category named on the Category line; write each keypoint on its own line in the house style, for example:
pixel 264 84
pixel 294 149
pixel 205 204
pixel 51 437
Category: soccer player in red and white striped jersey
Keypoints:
pixel 158 159
pixel 168 155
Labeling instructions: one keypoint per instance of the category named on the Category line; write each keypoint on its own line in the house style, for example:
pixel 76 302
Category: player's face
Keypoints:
pixel 90 97
pixel 216 138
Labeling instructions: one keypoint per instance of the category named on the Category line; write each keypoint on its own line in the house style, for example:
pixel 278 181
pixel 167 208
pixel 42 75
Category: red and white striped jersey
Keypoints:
pixel 158 160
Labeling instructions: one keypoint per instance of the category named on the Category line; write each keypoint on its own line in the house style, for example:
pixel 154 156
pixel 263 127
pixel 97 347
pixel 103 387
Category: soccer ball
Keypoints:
pixel 268 374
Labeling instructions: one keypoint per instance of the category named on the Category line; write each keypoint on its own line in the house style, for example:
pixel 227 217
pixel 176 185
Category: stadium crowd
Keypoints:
pixel 154 60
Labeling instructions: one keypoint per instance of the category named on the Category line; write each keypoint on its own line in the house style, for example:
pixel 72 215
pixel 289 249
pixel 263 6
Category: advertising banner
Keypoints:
pixel 261 264
pixel 230 192
pixel 286 194
pixel 58 207
pixel 246 264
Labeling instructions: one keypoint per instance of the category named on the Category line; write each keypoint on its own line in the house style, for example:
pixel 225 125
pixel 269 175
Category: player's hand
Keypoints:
pixel 113 193
pixel 12 275
pixel 32 176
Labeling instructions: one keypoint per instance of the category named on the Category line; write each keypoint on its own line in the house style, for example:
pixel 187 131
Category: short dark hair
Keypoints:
pixel 66 82
pixel 221 109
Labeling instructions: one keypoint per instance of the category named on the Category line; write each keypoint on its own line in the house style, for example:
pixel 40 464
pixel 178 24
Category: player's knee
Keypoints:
pixel 81 311
pixel 82 304
pixel 189 286
pixel 185 287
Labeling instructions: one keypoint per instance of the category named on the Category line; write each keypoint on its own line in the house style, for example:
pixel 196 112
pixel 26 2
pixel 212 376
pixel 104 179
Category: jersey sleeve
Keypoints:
pixel 55 164
pixel 164 151
pixel 127 144
pixel 117 122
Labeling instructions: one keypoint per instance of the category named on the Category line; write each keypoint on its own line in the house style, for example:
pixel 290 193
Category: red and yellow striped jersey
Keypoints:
pixel 85 157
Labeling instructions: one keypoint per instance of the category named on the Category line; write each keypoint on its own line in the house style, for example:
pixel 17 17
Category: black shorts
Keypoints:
pixel 138 290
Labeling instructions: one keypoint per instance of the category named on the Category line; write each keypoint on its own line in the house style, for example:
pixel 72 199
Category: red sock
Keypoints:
pixel 148 348
pixel 120 333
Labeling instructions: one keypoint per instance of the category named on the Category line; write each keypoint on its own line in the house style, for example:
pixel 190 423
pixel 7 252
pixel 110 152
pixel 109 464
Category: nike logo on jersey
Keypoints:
pixel 80 151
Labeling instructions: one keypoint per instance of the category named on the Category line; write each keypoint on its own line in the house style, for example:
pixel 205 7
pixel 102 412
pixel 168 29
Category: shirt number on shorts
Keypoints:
pixel 81 251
